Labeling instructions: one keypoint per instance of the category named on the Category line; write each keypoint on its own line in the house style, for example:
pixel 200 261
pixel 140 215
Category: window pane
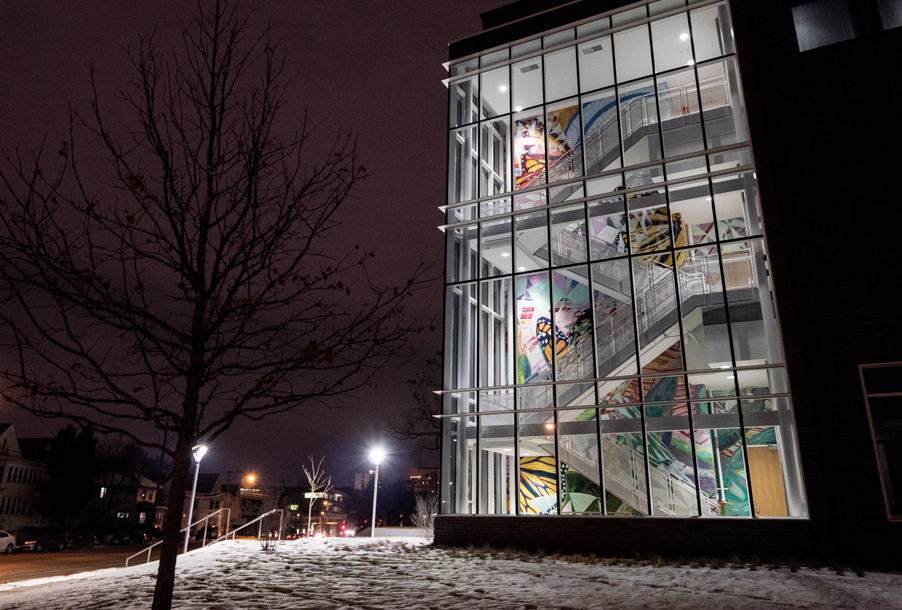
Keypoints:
pixel 890 13
pixel 648 221
pixel 529 151
pixel 593 27
pixel 496 248
pixel 624 470
pixel 533 310
pixel 495 156
pixel 722 105
pixel 565 154
pixel 691 212
pixel 773 465
pixel 615 349
pixel 459 465
pixel 712 32
pixel 753 324
pixel 670 38
pixel 671 467
pixel 736 206
pixel 721 466
pixel 538 467
pixel 496 333
pixel 639 123
pixel 602 131
pixel 560 74
pixel 527 77
pixel 495 92
pixel 494 58
pixel 820 23
pixel 568 235
pixel 460 336
pixel 531 234
pixel 633 53
pixel 596 64
pixel 497 468
pixel 461 255
pixel 578 454
pixel 495 206
pixel 529 200
pixel 607 228
pixel 462 165
pixel 662 6
pixel 464 105
pixel 657 314
pixel 565 193
pixel 573 324
pixel 629 16
pixel 680 116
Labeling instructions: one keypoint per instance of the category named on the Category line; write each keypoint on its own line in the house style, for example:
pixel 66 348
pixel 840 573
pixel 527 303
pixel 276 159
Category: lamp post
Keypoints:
pixel 376 455
pixel 199 452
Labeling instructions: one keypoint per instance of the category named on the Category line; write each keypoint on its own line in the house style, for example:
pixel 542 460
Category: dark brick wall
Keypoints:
pixel 615 536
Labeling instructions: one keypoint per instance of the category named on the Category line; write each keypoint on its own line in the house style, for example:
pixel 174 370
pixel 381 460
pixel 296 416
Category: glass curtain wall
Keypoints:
pixel 611 342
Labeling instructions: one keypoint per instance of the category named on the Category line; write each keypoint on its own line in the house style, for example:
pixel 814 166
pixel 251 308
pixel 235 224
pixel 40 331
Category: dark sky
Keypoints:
pixel 375 67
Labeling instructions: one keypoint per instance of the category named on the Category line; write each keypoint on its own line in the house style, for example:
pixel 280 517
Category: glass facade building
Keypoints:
pixel 611 342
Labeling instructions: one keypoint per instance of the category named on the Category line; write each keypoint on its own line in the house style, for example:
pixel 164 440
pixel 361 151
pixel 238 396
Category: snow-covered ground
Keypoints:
pixel 403 573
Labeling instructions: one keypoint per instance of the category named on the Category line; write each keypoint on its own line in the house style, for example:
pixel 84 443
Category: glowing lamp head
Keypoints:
pixel 377 455
pixel 199 452
pixel 251 478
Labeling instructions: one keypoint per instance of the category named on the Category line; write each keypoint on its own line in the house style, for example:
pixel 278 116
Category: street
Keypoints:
pixel 26 566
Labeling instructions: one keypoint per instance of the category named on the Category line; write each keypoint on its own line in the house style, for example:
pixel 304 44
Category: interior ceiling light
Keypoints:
pixel 731 377
pixel 518 108
pixel 529 68
pixel 691 62
pixel 521 268
pixel 505 254
pixel 684 36
pixel 590 50
pixel 502 88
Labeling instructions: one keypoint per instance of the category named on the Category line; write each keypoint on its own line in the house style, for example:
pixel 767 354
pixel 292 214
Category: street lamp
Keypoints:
pixel 376 455
pixel 199 452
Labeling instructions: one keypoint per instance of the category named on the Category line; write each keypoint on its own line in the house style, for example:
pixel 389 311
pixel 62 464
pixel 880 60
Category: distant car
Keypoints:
pixel 42 539
pixel 84 540
pixel 7 542
pixel 128 537
pixel 212 533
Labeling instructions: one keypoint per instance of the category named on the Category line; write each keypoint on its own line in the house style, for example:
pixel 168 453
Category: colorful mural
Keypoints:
pixel 529 152
pixel 564 139
pixel 538 485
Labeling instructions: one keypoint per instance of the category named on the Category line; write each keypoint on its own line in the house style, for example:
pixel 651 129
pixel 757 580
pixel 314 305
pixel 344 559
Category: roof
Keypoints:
pixel 206 483
pixel 35 449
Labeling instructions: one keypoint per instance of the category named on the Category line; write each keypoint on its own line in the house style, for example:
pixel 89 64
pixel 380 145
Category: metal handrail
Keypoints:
pixel 223 537
pixel 148 549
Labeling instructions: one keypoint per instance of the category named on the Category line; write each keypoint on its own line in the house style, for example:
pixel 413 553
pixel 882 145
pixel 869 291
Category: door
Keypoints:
pixel 767 481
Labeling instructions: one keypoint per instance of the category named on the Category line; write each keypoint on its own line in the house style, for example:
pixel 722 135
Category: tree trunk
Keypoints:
pixel 169 549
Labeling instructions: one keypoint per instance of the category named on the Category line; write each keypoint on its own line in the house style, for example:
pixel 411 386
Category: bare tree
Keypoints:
pixel 424 514
pixel 200 284
pixel 319 484
pixel 271 525
pixel 418 422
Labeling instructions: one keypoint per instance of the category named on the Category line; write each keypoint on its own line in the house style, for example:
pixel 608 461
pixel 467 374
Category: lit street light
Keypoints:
pixel 199 452
pixel 376 455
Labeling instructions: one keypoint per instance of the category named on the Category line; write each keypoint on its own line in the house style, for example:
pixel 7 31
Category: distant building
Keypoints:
pixel 22 471
pixel 213 501
pixel 424 480
pixel 362 479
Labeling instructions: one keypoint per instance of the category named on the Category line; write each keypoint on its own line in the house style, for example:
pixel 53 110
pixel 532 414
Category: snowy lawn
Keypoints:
pixel 404 573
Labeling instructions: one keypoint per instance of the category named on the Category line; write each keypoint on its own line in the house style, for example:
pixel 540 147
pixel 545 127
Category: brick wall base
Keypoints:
pixel 625 537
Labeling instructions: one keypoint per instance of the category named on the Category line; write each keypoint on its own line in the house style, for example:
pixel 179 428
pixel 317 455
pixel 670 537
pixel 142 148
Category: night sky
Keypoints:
pixel 372 67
